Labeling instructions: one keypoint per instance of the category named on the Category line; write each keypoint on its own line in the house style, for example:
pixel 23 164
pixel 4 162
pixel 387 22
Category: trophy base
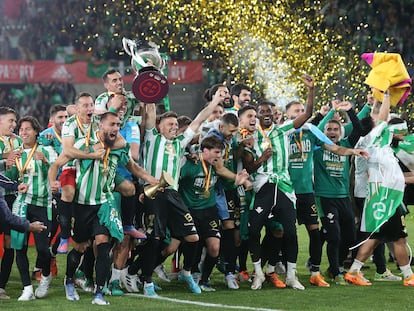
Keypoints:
pixel 150 86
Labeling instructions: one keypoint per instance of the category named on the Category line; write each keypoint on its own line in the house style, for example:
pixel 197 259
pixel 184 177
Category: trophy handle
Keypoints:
pixel 128 45
pixel 130 48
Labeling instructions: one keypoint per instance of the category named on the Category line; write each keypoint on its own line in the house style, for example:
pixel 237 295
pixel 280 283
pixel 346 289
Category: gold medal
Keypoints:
pixel 265 145
pixel 207 178
pixel 169 148
pixel 20 179
pixel 206 194
pixel 28 167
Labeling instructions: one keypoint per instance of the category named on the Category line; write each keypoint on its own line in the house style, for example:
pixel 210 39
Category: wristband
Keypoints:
pixel 112 109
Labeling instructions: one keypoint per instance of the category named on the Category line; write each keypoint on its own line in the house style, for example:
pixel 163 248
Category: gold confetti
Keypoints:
pixel 265 44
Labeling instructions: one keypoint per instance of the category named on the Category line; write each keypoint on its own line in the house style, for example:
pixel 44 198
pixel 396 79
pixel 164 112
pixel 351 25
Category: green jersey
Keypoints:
pixel 161 154
pixel 276 168
pixel 85 133
pixel 302 144
pixel 34 173
pixel 102 100
pixel 193 180
pixel 95 178
pixel 331 173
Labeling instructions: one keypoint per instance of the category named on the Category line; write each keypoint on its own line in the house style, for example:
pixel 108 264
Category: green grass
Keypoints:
pixel 380 296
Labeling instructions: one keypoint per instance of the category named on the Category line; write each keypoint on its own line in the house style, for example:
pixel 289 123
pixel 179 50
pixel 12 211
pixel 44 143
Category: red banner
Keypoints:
pixel 12 72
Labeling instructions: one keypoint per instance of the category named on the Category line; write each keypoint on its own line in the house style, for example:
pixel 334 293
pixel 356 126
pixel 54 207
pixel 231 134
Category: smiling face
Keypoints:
pixel 265 115
pixel 7 124
pixel 114 83
pixel 109 128
pixel 333 131
pixel 58 119
pixel 243 99
pixel 168 127
pixel 228 130
pixel 294 111
pixel 28 134
pixel 248 120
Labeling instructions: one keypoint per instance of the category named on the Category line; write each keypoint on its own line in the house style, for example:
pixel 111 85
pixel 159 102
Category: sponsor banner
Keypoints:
pixel 12 72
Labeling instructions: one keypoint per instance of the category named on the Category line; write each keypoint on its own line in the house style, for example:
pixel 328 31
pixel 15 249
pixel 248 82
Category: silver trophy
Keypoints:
pixel 150 85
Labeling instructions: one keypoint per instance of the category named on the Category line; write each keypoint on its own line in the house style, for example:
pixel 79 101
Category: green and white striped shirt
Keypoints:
pixel 7 144
pixel 73 128
pixel 35 176
pixel 161 154
pixel 102 100
pixel 91 183
pixel 275 169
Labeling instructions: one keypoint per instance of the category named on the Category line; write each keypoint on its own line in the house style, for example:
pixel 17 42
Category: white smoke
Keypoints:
pixel 269 71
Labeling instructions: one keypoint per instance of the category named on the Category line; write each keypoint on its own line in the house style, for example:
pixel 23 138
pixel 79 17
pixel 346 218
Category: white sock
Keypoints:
pixel 186 273
pixel 291 270
pixel 258 267
pixel 356 266
pixel 270 269
pixel 116 274
pixel 148 284
pixel 406 271
pixel 313 273
pixel 28 288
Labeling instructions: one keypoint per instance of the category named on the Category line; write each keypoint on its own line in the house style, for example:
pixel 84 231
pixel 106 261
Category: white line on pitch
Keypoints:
pixel 203 304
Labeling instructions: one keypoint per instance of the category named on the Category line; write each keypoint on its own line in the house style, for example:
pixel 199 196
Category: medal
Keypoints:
pixel 264 145
pixel 169 148
pixel 207 178
pixel 298 143
pixel 105 170
pixel 206 194
pixel 8 145
pixel 266 141
pixel 25 167
pixel 88 134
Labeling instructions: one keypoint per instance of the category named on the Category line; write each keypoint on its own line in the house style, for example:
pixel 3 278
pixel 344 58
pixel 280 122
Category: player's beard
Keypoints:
pixel 109 140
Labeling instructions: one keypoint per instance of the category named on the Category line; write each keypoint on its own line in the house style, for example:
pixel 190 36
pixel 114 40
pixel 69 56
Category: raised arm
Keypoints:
pixel 385 107
pixel 300 120
pixel 150 116
pixel 207 111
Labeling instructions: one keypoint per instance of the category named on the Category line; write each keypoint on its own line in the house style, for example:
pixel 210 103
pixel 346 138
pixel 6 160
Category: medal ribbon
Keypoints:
pixel 244 132
pixel 299 142
pixel 226 152
pixel 26 164
pixel 108 150
pixel 265 135
pixel 88 135
pixel 57 135
pixel 207 172
pixel 10 142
